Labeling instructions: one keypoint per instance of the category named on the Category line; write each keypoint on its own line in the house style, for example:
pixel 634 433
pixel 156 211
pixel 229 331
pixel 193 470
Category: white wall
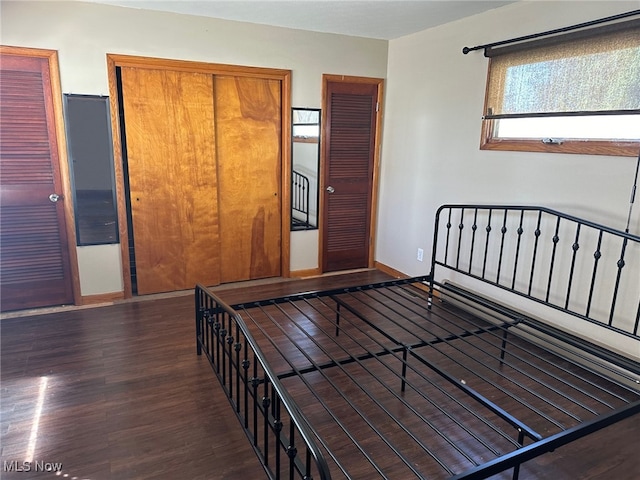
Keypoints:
pixel 83 33
pixel 431 155
pixel 431 132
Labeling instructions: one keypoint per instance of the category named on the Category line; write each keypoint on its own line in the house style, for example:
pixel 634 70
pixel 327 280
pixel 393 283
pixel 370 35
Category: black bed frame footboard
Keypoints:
pixel 564 262
pixel 279 434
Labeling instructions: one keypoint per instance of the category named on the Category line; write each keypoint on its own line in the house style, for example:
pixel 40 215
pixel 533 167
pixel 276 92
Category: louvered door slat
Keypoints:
pixel 348 230
pixel 34 260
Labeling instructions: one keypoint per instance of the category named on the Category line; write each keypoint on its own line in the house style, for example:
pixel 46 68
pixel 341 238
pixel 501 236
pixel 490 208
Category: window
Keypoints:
pixel 305 125
pixel 573 93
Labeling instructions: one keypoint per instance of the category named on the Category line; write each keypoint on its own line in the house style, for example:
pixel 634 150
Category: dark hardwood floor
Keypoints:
pixel 118 392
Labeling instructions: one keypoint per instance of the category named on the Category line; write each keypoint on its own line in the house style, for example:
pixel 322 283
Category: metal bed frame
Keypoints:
pixel 300 195
pixel 426 378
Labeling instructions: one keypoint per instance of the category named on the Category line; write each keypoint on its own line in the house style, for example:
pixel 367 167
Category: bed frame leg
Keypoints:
pixel 516 469
pixel 404 368
pixel 516 472
pixel 198 335
pixel 503 348
pixel 198 322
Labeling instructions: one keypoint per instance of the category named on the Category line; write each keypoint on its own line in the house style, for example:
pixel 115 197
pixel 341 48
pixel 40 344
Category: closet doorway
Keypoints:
pixel 351 121
pixel 203 172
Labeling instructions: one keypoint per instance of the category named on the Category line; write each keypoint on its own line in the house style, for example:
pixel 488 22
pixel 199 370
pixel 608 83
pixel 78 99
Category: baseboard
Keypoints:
pixel 312 272
pixel 315 272
pixel 101 298
pixel 389 271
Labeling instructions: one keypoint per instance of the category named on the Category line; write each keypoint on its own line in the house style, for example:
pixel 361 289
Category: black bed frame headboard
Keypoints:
pixel 573 265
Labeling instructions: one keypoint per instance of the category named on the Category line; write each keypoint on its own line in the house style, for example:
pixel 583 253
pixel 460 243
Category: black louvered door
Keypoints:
pixel 34 256
pixel 348 174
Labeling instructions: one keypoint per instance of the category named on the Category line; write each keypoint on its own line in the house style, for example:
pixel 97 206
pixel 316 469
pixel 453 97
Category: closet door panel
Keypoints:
pixel 169 124
pixel 248 137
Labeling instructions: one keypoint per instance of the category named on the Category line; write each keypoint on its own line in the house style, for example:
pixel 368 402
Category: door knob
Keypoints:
pixel 54 197
pixel 330 189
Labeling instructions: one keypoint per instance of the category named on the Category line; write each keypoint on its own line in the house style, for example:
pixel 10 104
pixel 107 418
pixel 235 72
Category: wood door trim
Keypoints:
pixel 63 161
pixel 121 206
pixel 285 201
pixel 197 67
pixel 115 60
pixel 331 78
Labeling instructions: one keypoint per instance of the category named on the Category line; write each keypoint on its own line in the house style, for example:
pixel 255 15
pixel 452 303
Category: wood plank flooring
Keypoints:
pixel 121 394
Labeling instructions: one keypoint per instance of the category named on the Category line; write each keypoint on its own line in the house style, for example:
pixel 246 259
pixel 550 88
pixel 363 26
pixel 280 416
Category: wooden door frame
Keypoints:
pixel 63 161
pixel 379 82
pixel 116 60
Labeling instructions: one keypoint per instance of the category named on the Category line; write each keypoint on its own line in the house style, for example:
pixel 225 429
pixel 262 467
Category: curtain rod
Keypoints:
pixel 466 50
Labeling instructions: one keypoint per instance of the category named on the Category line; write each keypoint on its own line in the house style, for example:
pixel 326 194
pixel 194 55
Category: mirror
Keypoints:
pixel 305 163
pixel 88 127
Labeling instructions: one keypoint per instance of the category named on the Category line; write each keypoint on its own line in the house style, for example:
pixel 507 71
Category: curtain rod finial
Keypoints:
pixel 466 50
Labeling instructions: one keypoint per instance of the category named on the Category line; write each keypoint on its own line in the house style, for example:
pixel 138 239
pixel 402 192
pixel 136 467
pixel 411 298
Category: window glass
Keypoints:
pixel 306 123
pixel 604 127
pixel 582 86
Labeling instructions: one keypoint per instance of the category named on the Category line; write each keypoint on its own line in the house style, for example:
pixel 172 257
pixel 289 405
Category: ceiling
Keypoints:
pixel 380 19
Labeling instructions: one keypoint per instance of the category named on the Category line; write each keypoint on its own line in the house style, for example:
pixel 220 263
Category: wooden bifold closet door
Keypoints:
pixel 203 154
pixel 172 178
pixel 248 136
